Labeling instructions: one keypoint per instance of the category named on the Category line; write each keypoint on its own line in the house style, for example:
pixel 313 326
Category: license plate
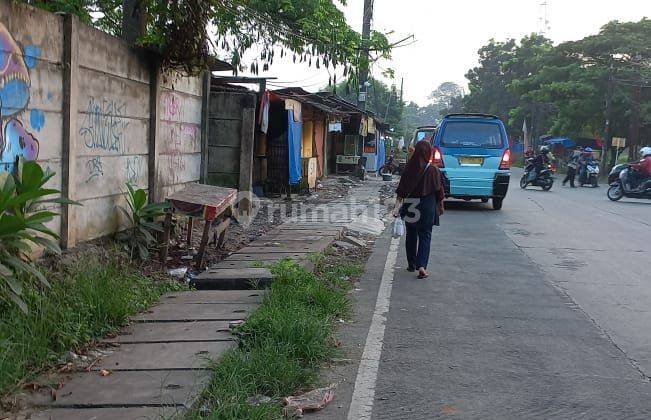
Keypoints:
pixel 468 160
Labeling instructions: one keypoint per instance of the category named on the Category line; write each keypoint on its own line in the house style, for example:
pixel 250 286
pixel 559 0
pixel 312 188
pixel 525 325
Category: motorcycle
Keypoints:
pixel 545 180
pixel 621 186
pixel 590 174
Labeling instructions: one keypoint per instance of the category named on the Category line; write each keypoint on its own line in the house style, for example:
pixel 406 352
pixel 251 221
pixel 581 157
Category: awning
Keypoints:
pixel 562 141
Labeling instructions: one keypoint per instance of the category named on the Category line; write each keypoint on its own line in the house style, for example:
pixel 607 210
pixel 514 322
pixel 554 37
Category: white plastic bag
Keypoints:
pixel 398 227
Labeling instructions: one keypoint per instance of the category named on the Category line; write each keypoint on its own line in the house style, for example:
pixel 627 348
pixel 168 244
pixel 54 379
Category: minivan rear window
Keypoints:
pixel 425 135
pixel 472 134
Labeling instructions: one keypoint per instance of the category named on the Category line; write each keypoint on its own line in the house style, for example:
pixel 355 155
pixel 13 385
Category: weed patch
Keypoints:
pixel 89 298
pixel 283 344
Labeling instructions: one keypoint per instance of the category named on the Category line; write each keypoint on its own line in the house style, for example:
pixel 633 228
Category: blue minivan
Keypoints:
pixel 472 151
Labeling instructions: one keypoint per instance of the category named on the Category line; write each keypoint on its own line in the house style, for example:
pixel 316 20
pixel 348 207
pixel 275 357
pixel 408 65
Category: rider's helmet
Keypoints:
pixel 588 150
pixel 544 149
pixel 645 151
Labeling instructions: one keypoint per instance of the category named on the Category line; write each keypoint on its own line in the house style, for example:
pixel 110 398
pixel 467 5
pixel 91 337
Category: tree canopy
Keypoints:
pixel 383 100
pixel 563 89
pixel 187 32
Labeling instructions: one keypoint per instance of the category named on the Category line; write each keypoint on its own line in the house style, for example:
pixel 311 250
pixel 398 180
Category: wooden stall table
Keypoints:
pixel 212 204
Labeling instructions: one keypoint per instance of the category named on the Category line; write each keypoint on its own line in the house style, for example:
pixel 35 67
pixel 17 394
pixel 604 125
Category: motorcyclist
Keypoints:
pixel 586 158
pixel 642 169
pixel 541 160
pixel 529 153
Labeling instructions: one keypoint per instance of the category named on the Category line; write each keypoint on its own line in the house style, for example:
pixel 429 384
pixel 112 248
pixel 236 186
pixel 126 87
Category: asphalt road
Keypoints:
pixel 536 311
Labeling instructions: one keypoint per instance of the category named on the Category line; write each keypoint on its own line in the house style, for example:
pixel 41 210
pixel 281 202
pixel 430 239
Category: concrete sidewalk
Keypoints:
pixel 158 367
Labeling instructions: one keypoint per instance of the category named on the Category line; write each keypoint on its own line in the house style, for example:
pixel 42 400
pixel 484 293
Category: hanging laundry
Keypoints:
pixel 294 143
pixel 263 118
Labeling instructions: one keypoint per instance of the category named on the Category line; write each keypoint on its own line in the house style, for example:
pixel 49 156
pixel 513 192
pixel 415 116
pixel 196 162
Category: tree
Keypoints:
pixel 574 81
pixel 383 100
pixel 488 83
pixel 187 32
pixel 446 94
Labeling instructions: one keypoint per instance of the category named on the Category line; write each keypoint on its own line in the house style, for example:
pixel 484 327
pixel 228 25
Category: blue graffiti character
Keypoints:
pixel 14 75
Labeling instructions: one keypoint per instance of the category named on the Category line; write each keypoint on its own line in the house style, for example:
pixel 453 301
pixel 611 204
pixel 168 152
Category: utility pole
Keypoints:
pixel 609 110
pixel 636 99
pixel 364 54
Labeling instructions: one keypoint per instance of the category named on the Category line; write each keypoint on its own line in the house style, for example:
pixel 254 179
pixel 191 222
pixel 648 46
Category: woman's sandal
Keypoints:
pixel 422 274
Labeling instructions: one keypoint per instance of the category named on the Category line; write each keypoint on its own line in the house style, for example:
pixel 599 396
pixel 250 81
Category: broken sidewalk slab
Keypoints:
pixel 144 413
pixel 288 238
pixel 126 389
pixel 368 225
pixel 157 332
pixel 307 230
pixel 314 246
pixel 269 256
pixel 166 356
pixel 233 279
pixel 357 242
pixel 233 296
pixel 170 312
pixel 303 230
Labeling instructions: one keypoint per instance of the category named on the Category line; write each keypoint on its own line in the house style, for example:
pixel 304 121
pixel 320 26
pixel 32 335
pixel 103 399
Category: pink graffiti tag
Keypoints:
pixel 173 106
pixel 176 161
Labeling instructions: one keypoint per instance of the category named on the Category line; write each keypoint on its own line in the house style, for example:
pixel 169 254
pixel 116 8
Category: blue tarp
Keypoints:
pixel 380 153
pixel 294 143
pixel 563 141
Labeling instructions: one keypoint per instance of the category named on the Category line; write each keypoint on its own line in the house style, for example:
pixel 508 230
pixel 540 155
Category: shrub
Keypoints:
pixel 22 225
pixel 139 237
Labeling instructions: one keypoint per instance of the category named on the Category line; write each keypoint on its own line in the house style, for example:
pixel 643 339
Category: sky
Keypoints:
pixel 449 33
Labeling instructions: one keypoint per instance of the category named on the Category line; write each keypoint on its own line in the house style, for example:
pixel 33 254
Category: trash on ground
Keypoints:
pixel 259 400
pixel 178 273
pixel 235 324
pixel 310 401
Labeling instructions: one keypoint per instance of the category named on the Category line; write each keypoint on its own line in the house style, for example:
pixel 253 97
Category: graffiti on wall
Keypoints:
pixel 15 83
pixel 103 125
pixel 173 106
pixel 180 135
pixel 95 169
pixel 176 159
pixel 133 169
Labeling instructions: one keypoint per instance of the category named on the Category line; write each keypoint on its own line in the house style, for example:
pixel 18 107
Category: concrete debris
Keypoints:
pixel 343 245
pixel 311 401
pixel 354 241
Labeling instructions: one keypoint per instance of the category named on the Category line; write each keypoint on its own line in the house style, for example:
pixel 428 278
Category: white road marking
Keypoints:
pixel 361 406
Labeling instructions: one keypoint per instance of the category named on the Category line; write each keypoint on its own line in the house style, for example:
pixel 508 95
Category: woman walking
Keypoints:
pixel 420 203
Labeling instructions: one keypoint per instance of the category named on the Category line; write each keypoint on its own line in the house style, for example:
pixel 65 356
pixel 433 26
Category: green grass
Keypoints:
pixel 90 298
pixel 283 344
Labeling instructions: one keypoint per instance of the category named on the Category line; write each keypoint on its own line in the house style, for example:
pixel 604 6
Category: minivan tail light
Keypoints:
pixel 505 163
pixel 437 158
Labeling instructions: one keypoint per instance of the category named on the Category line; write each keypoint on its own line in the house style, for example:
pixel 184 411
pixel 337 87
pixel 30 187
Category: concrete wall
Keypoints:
pixel 106 107
pixel 179 132
pixel 31 53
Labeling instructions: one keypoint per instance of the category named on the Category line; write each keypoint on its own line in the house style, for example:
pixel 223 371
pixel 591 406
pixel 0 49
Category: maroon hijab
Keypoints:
pixel 412 182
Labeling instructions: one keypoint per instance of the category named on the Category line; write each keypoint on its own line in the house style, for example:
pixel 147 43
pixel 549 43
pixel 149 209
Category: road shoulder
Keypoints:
pixel 353 334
